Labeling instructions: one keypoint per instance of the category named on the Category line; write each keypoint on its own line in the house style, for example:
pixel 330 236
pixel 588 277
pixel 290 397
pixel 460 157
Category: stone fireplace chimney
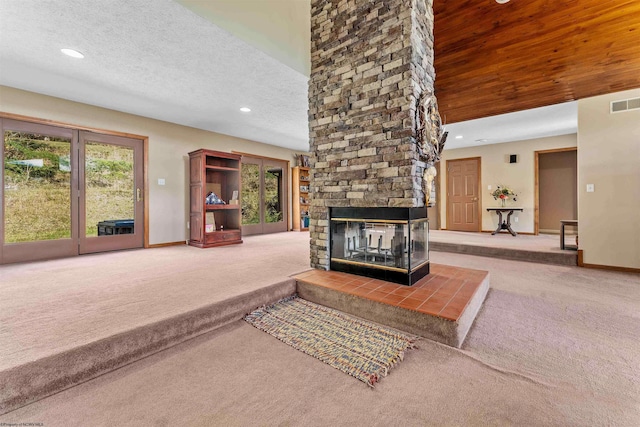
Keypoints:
pixel 371 64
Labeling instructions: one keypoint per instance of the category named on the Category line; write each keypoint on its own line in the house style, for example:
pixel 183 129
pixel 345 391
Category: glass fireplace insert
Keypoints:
pixel 390 244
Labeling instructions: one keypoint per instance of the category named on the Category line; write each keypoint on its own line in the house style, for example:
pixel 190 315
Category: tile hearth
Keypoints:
pixel 441 306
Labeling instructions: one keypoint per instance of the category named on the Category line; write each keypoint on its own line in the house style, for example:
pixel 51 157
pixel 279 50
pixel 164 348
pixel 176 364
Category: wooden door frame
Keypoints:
pixel 448 211
pixel 436 220
pixel 438 196
pixel 145 154
pixel 286 189
pixel 536 187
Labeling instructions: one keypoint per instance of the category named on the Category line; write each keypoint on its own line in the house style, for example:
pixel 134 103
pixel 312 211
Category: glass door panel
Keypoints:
pixel 274 197
pixel 37 175
pixel 111 206
pixel 250 194
pixel 109 189
pixel 66 192
pixel 37 179
pixel 264 195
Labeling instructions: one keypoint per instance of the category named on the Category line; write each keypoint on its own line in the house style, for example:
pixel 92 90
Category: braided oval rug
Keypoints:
pixel 362 349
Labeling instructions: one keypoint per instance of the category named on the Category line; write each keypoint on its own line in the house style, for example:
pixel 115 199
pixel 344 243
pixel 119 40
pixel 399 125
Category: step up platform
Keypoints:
pixel 442 306
pixel 34 380
pixel 556 257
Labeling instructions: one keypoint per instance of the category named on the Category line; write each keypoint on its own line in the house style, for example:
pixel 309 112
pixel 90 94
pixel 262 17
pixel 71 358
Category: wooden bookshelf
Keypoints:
pixel 214 224
pixel 301 198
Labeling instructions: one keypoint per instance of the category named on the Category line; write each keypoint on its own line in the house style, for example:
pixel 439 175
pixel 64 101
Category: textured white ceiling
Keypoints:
pixel 153 58
pixel 559 119
pixel 158 59
pixel 279 28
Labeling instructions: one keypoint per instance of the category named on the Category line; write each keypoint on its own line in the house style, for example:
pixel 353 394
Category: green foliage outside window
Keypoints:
pixel 251 194
pixel 37 193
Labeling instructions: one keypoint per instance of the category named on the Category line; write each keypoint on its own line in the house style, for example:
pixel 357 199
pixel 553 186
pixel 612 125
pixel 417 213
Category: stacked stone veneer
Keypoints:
pixel 370 61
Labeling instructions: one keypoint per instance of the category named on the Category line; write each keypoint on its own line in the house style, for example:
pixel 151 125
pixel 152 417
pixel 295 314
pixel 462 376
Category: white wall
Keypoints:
pixel 609 158
pixel 168 147
pixel 496 170
pixel 280 28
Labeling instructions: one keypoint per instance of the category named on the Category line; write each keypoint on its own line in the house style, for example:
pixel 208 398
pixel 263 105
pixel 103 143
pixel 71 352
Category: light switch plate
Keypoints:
pixel 160 181
pixel 488 187
pixel 590 188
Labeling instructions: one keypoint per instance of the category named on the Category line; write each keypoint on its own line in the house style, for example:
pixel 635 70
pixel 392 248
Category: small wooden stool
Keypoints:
pixel 563 224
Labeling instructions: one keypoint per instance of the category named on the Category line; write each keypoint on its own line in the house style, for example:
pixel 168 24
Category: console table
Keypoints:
pixel 505 225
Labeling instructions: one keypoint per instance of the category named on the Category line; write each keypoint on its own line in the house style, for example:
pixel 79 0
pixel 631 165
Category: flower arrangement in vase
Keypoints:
pixel 503 193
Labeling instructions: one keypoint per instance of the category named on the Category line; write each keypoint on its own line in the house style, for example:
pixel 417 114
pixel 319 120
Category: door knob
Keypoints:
pixel 475 199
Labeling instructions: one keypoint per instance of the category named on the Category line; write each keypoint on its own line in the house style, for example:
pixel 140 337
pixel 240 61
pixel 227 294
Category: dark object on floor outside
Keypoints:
pixel 115 226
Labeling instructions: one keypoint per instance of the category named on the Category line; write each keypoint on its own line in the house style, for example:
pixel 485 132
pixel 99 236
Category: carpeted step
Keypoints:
pixel 37 379
pixel 557 258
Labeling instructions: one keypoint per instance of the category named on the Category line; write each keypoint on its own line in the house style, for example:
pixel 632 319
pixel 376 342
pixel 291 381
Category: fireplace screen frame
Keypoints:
pixel 352 249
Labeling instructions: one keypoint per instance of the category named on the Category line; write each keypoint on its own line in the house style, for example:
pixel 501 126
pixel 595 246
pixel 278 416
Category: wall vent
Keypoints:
pixel 625 105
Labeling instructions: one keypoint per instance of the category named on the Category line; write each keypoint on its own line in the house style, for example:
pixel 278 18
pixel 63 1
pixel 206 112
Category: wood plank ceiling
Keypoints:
pixel 492 59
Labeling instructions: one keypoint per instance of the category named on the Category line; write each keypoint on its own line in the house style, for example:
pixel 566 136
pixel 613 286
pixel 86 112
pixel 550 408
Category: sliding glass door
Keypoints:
pixel 111 207
pixel 67 192
pixel 39 195
pixel 264 195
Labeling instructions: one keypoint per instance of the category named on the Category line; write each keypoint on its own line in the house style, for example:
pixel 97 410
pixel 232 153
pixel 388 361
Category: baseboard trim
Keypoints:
pixel 612 268
pixel 550 231
pixel 581 263
pixel 164 245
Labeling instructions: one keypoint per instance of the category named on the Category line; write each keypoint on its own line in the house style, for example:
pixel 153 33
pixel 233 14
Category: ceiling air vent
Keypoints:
pixel 625 105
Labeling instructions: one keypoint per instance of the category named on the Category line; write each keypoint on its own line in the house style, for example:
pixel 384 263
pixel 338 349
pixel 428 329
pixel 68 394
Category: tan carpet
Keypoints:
pixel 552 346
pixel 52 306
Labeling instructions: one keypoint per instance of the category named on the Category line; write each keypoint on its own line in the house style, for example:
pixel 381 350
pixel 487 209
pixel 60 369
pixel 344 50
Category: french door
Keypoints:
pixel 264 195
pixel 67 192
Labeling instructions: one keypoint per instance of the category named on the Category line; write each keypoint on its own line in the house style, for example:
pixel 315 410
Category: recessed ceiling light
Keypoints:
pixel 502 1
pixel 245 110
pixel 458 136
pixel 481 140
pixel 72 53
